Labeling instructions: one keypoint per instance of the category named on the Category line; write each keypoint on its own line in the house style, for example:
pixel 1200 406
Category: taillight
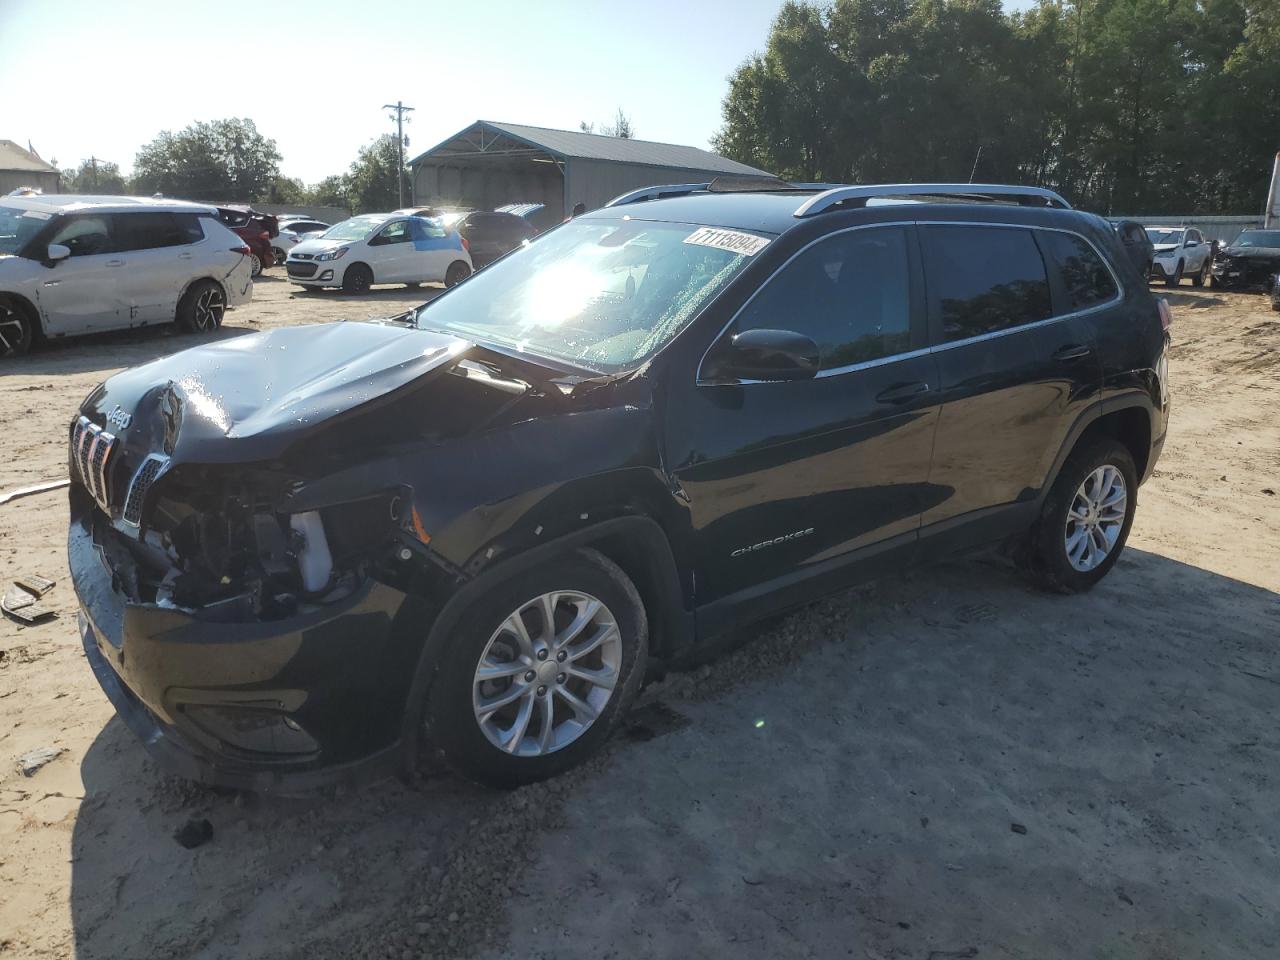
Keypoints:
pixel 1166 314
pixel 243 250
pixel 466 244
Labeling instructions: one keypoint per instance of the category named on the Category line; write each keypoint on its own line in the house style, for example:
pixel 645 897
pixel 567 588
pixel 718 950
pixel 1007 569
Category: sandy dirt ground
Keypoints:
pixel 943 765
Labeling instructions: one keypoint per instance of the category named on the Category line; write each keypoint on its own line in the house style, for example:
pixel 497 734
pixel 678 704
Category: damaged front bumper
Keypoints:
pixel 276 705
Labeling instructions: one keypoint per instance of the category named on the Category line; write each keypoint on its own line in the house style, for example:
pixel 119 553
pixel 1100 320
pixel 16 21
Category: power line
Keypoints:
pixel 400 110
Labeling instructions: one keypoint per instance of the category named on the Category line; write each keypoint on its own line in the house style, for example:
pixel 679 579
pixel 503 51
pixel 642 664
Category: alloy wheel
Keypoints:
pixel 13 331
pixel 1096 517
pixel 210 307
pixel 547 673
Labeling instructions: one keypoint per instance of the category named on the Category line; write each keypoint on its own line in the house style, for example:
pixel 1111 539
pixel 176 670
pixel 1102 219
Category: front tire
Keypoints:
pixel 1086 518
pixel 1201 278
pixel 279 254
pixel 539 672
pixel 201 308
pixel 357 279
pixel 17 329
pixel 1176 278
pixel 457 272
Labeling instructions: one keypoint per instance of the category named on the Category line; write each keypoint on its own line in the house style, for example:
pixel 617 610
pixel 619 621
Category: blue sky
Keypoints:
pixel 313 74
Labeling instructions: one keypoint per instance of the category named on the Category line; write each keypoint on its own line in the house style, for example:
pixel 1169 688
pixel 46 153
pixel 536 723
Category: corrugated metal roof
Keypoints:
pixel 592 146
pixel 14 157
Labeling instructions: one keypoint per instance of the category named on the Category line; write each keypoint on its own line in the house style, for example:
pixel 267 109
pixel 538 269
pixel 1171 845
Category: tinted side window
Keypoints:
pixel 427 229
pixel 1086 280
pixel 86 235
pixel 984 279
pixel 148 231
pixel 850 293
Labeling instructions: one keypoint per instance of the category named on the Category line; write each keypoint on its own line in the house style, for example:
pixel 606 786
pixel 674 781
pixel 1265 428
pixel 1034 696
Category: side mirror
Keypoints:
pixel 1193 243
pixel 55 253
pixel 764 355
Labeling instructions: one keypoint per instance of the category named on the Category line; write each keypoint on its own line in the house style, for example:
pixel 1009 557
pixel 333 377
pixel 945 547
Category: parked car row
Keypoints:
pixel 1252 259
pixel 72 265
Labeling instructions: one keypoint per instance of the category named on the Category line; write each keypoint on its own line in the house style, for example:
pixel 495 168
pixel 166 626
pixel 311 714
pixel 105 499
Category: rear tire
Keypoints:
pixel 18 329
pixel 357 279
pixel 201 308
pixel 611 643
pixel 457 272
pixel 279 254
pixel 1069 555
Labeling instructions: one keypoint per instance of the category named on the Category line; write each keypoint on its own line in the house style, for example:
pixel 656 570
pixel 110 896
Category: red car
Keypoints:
pixel 257 230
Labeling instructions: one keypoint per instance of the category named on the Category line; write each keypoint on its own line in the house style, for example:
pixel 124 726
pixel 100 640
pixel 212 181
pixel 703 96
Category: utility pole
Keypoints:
pixel 400 110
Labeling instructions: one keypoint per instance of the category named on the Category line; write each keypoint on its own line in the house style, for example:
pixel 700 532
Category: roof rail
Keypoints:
pixel 986 192
pixel 657 193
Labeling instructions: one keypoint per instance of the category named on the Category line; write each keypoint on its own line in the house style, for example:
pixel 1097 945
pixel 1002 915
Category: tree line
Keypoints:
pixel 230 161
pixel 1124 106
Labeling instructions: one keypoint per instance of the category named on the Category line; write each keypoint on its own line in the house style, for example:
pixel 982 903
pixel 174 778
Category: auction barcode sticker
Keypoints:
pixel 747 244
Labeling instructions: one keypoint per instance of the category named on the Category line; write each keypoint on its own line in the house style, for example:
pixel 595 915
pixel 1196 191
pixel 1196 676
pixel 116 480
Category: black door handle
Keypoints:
pixel 902 392
pixel 1073 352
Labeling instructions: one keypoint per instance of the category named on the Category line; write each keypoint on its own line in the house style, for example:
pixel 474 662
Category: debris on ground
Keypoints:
pixel 35 584
pixel 47 487
pixel 33 760
pixel 194 833
pixel 20 600
pixel 1018 828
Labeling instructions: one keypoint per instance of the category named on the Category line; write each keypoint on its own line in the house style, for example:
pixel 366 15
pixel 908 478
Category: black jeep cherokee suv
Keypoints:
pixel 483 521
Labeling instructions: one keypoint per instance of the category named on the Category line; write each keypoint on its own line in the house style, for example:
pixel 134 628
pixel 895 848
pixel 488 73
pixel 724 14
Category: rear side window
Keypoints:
pixel 984 279
pixel 1086 280
pixel 849 293
pixel 424 229
pixel 149 231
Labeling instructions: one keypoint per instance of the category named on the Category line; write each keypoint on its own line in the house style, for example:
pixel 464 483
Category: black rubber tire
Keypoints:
pixel 358 278
pixel 457 272
pixel 450 721
pixel 1176 278
pixel 1203 276
pixel 255 265
pixel 193 316
pixel 17 327
pixel 1044 550
pixel 279 254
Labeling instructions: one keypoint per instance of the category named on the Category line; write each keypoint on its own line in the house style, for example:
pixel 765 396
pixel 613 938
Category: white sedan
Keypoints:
pixel 380 248
pixel 293 232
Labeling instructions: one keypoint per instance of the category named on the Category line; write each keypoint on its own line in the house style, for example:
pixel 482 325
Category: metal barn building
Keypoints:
pixel 22 168
pixel 489 164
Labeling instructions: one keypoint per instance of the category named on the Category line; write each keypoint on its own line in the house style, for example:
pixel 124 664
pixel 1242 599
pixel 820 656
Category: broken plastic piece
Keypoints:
pixel 22 606
pixel 35 584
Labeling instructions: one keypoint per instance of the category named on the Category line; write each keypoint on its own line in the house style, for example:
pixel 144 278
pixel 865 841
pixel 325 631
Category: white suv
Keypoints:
pixel 71 265
pixel 1180 252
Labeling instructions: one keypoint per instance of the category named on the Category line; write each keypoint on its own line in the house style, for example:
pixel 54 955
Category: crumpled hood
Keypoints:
pixel 250 397
pixel 1260 253
pixel 1165 247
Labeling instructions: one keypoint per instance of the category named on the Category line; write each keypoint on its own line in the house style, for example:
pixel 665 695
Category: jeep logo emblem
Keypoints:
pixel 119 418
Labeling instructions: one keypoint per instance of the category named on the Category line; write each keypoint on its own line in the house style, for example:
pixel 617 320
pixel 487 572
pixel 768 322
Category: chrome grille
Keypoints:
pixel 151 468
pixel 91 449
